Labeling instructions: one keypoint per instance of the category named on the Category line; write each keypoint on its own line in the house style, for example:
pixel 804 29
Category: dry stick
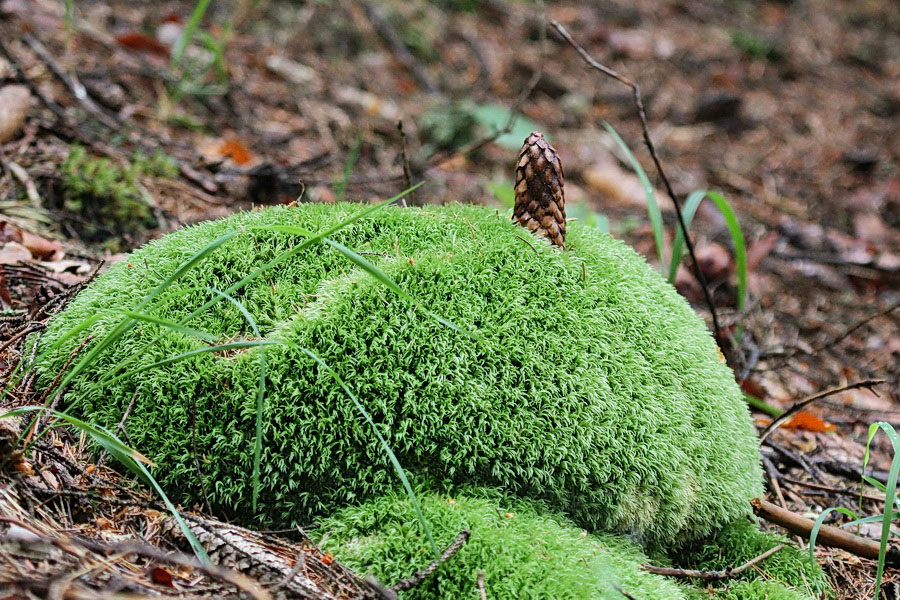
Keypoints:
pixel 639 104
pixel 828 536
pixel 713 575
pixel 514 113
pixel 420 576
pixel 868 384
pixel 479 582
pixel 397 47
pixel 70 81
pixel 55 108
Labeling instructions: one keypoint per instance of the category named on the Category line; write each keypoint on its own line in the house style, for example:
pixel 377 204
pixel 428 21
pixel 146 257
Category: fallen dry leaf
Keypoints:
pixel 42 248
pixel 15 100
pixel 161 576
pixel 809 422
pixel 236 151
pixel 140 42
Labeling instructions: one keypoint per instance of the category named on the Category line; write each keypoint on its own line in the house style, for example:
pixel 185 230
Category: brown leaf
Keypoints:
pixel 42 248
pixel 760 249
pixel 15 100
pixel 140 42
pixel 161 576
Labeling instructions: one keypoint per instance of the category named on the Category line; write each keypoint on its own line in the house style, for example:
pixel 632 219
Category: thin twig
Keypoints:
pixel 420 576
pixel 832 537
pixel 712 575
pixel 71 81
pixel 639 104
pixel 514 112
pixel 868 384
pixel 479 581
pixel 397 47
pixel 55 108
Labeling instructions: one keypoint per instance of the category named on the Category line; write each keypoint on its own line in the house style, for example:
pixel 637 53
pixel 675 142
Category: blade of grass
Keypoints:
pixel 272 263
pixel 189 31
pixel 197 352
pixel 814 532
pixel 384 445
pixel 340 186
pixel 260 394
pixel 890 492
pixel 130 458
pixel 734 228
pixel 653 211
pixel 126 324
pixel 389 283
pixel 169 325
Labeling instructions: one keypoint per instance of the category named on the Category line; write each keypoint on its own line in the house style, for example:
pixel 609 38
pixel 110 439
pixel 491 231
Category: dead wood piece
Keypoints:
pixel 712 575
pixel 273 562
pixel 540 197
pixel 828 536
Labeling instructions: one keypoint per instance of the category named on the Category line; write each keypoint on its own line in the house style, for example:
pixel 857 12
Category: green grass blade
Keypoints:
pixel 389 283
pixel 814 532
pixel 122 327
pixel 189 30
pixel 688 211
pixel 384 445
pixel 197 352
pixel 272 263
pixel 130 458
pixel 340 186
pixel 740 247
pixel 890 492
pixel 169 325
pixel 260 394
pixel 734 228
pixel 653 211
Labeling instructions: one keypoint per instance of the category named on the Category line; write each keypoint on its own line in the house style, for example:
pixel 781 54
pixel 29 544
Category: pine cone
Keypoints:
pixel 540 201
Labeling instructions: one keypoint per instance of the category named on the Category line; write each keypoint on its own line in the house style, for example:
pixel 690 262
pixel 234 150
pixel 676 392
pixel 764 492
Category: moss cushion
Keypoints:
pixel 593 387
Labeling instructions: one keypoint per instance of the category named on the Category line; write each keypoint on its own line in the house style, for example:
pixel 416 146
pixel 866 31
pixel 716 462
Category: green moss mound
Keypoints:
pixel 594 388
pixel 525 551
pixel 789 569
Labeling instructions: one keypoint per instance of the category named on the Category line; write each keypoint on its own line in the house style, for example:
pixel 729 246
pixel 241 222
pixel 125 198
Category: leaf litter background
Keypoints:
pixel 790 108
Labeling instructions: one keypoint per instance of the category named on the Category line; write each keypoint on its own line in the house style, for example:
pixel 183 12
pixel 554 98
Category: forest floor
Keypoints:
pixel 789 108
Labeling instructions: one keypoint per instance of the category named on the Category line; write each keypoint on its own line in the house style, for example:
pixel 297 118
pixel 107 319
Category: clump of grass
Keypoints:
pixel 688 211
pixel 591 384
pixel 524 550
pixel 107 197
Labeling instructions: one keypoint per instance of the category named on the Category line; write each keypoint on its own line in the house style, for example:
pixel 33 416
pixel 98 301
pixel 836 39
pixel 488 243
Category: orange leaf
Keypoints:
pixel 236 150
pixel 809 422
pixel 327 559
pixel 142 43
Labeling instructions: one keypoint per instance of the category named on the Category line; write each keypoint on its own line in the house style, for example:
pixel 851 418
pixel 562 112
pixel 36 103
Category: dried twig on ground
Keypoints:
pixel 713 575
pixel 828 535
pixel 639 104
pixel 800 405
pixel 482 593
pixel 420 576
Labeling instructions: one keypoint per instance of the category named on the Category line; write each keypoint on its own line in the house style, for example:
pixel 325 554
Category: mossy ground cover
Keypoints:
pixel 593 386
pixel 527 551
